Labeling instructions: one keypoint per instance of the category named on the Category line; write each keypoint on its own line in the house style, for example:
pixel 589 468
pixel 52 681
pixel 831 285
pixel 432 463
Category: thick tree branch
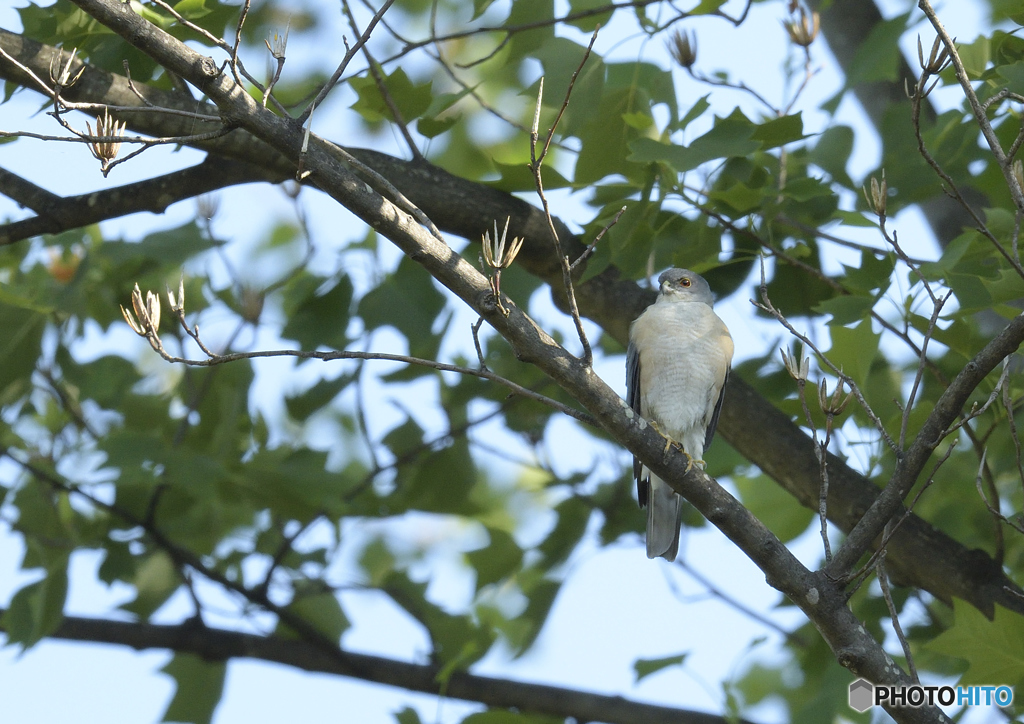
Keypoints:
pixel 56 213
pixel 919 555
pixel 818 597
pixel 219 645
pixel 912 461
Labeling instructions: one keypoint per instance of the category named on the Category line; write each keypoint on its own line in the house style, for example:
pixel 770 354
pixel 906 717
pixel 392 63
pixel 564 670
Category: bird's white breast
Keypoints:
pixel 685 351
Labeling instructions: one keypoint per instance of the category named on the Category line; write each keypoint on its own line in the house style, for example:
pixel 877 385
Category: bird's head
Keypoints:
pixel 683 285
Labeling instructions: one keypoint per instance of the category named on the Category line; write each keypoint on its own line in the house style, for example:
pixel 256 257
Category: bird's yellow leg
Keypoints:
pixel 670 443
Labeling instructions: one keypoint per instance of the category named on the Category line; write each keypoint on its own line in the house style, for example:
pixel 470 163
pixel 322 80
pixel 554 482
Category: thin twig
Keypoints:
pixel 592 247
pixel 883 581
pixel 535 166
pixel 214 359
pixel 349 54
pixel 378 79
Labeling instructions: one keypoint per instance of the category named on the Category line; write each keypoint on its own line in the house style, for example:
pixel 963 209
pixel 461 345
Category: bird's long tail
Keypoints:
pixel 664 516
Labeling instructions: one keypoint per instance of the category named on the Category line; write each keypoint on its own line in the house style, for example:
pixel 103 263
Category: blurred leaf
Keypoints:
pixel 877 57
pixel 21 334
pixel 199 686
pixel 779 131
pixel 854 349
pixel 832 152
pixel 156 579
pixel 411 100
pixel 37 610
pixel 776 508
pixel 458 642
pixel 645 667
pixel 319 313
pixel 573 515
pixel 322 611
pixel 498 559
pixel 408 301
pixel 846 309
pixel 994 650
pixel 408 715
pixel 304 404
pixel 503 716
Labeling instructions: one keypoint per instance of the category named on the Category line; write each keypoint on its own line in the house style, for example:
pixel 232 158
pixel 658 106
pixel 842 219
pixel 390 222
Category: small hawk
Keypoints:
pixel 677 364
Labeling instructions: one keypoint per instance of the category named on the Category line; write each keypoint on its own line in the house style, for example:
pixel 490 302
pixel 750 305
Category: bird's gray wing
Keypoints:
pixel 709 434
pixel 633 398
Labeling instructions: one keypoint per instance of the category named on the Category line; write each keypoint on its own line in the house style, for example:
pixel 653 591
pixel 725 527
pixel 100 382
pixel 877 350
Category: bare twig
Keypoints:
pixel 378 78
pixel 535 166
pixel 592 247
pixel 883 581
pixel 349 54
pixel 147 327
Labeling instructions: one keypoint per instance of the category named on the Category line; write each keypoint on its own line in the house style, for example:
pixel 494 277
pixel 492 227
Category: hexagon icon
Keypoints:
pixel 862 695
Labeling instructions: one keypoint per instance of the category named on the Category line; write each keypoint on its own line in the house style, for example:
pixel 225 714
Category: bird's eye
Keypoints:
pixel 684 282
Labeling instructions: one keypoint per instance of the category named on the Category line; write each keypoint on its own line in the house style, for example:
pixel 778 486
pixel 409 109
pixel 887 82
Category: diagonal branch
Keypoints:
pixel 918 554
pixel 819 597
pixel 910 464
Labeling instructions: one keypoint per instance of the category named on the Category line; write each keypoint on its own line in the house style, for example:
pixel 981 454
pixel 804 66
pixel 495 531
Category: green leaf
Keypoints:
pixel 846 308
pixel 37 610
pixel 320 317
pixel 832 152
pixel 21 333
pixel 106 380
pixel 408 301
pixel 573 515
pixel 479 8
pixel 877 58
pixel 646 667
pixel 994 650
pixel 873 273
pixel 588 23
pixel 199 686
pixel 517 177
pixel 503 716
pixel 302 405
pixel 975 56
pixel 156 579
pixel 854 349
pixel 779 131
pixel 458 641
pixel 411 100
pixel 442 482
pixel 731 136
pixel 321 610
pixel 434 127
pixel 408 715
pixel 706 7
pixel 695 112
pixel 497 560
pixel 776 508
pixel 1014 75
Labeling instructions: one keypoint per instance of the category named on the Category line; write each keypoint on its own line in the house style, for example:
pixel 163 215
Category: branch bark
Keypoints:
pixel 220 645
pixel 919 555
pixel 55 214
pixel 819 597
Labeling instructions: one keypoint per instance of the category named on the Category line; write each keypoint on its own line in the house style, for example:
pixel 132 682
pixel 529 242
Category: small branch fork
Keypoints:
pixel 536 162
pixel 1004 160
pixel 943 53
pixel 105 142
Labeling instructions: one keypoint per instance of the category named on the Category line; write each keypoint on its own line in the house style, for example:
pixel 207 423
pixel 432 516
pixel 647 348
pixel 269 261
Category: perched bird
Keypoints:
pixel 677 364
